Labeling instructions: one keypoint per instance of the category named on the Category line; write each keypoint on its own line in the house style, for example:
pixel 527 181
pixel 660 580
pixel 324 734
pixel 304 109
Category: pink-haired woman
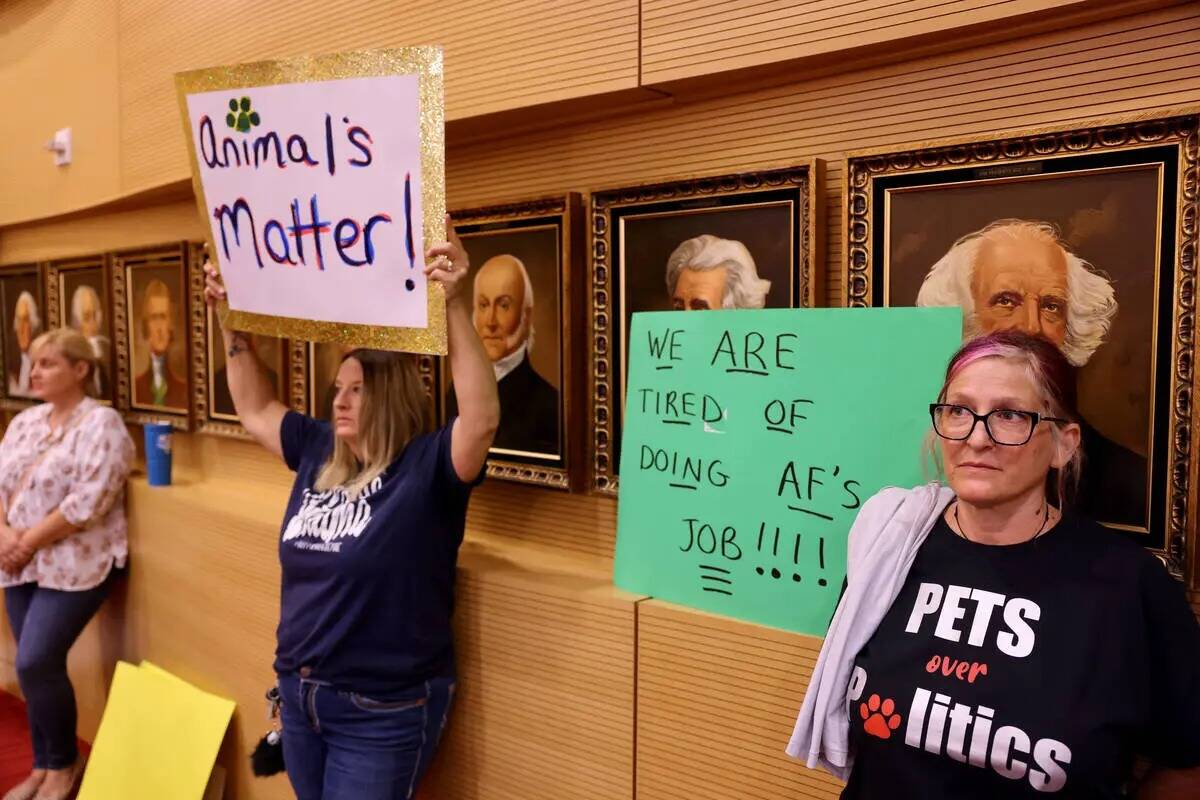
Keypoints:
pixel 989 642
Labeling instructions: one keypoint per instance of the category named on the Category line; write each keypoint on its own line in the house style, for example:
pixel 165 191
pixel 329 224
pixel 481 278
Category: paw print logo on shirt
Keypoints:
pixel 240 117
pixel 879 716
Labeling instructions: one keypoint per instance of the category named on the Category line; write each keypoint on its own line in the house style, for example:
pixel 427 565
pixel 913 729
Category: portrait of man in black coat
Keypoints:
pixel 503 313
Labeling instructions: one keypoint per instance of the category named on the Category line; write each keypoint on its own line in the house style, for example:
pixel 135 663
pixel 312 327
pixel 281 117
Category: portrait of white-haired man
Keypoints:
pixel 87 317
pixel 503 316
pixel 26 325
pixel 1019 274
pixel 707 272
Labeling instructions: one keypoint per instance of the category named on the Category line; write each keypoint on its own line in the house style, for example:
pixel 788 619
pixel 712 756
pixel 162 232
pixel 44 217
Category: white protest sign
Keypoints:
pixel 316 195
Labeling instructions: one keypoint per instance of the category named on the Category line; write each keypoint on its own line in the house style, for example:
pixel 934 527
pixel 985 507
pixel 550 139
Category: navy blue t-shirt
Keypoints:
pixel 368 584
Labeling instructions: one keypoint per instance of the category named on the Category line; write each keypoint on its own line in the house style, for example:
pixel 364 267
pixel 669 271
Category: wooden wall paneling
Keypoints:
pixel 685 38
pixel 1108 68
pixel 101 232
pixel 545 701
pixel 535 52
pixel 58 67
pixel 575 523
pixel 717 700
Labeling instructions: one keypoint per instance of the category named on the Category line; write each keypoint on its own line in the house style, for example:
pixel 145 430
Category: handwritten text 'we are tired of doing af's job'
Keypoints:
pixel 802 488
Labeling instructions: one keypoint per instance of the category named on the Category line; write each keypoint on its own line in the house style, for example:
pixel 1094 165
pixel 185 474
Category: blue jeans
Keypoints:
pixel 45 623
pixel 344 746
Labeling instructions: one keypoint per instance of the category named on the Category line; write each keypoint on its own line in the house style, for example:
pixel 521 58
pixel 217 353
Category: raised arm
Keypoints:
pixel 470 368
pixel 253 396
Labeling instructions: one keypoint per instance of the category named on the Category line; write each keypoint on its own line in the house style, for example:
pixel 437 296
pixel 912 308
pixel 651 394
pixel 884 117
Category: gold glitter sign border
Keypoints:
pixel 426 63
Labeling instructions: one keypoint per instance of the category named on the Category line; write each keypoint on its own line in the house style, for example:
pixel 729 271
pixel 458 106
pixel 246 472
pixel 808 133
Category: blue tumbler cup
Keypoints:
pixel 158 453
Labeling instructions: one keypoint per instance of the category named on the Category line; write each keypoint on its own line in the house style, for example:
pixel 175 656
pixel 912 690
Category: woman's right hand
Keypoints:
pixel 9 539
pixel 214 285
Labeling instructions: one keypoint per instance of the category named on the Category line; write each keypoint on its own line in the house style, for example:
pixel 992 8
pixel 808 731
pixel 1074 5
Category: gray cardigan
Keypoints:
pixel 884 540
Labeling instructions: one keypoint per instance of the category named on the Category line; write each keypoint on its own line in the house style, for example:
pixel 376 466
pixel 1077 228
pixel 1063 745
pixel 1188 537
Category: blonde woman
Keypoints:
pixel 368 549
pixel 63 467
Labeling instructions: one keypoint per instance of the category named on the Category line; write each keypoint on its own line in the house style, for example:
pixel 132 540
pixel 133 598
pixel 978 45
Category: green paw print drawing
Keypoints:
pixel 240 117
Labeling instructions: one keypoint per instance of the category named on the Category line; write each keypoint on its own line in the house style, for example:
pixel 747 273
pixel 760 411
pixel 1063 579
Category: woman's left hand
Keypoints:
pixel 447 263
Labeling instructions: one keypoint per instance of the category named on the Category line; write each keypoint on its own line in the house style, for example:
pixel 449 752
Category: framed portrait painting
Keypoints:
pixel 735 241
pixel 1087 237
pixel 526 300
pixel 79 296
pixel 285 362
pixel 150 294
pixel 23 315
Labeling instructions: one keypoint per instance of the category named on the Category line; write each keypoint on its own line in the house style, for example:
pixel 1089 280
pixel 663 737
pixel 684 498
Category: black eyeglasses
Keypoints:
pixel 1004 426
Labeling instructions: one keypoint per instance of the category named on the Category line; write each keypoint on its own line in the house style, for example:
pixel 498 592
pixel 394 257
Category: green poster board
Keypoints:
pixel 751 438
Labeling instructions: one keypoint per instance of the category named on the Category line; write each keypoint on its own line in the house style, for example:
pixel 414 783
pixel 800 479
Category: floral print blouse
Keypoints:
pixel 83 466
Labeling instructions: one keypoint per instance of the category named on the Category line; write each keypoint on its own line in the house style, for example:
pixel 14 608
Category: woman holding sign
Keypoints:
pixel 991 643
pixel 368 549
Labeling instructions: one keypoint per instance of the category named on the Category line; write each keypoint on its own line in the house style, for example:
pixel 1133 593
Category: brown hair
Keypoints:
pixel 74 347
pixel 1052 377
pixel 395 410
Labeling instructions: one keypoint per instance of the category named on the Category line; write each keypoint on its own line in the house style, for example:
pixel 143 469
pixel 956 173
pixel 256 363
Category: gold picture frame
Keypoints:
pixel 426 63
pixel 792 195
pixel 1033 171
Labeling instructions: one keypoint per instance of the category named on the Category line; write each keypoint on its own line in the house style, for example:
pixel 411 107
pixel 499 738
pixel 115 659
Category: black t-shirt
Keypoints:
pixel 368 584
pixel 1023 670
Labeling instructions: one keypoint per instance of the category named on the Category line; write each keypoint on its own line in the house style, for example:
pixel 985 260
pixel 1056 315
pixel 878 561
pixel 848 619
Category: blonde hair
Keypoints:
pixel 74 347
pixel 394 411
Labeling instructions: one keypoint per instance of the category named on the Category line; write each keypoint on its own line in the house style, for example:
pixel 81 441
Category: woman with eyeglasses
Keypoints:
pixel 989 642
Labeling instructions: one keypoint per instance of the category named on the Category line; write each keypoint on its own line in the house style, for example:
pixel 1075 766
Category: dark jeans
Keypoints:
pixel 344 746
pixel 45 623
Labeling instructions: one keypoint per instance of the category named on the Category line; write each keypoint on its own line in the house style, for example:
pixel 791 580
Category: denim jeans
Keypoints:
pixel 45 623
pixel 344 746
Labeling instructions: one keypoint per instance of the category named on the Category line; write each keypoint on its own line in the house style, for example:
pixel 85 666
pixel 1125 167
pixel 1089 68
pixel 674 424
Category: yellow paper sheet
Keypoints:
pixel 158 738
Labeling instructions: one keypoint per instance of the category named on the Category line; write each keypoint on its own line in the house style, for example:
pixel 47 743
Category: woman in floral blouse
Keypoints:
pixel 63 466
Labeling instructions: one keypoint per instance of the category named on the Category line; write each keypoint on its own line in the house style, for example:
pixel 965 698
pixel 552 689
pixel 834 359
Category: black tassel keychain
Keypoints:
pixel 267 758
